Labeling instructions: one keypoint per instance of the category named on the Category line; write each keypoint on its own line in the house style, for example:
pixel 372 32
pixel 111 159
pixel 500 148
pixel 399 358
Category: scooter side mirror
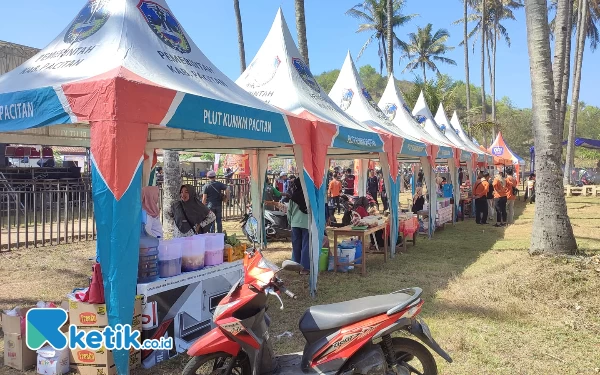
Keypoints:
pixel 290 265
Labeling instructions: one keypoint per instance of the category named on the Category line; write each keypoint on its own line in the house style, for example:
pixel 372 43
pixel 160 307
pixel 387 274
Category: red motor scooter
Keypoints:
pixel 352 337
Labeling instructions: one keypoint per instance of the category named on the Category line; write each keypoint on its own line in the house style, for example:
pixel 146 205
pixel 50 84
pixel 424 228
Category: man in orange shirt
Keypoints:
pixel 335 190
pixel 511 196
pixel 480 190
pixel 501 188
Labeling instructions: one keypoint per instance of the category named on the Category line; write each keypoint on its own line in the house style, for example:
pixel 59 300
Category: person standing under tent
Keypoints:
pixel 334 192
pixel 480 192
pixel 212 197
pixel 418 200
pixel 501 188
pixel 490 195
pixel 151 212
pixel 511 197
pixel 289 190
pixel 383 192
pixel 373 186
pixel 298 219
pixel 190 215
pixel 349 182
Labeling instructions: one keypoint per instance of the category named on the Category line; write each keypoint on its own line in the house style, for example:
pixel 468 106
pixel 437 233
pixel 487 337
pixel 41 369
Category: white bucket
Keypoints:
pixel 347 254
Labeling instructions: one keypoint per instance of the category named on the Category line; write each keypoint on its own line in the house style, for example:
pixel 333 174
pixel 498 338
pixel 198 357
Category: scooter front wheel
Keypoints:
pixel 414 357
pixel 217 364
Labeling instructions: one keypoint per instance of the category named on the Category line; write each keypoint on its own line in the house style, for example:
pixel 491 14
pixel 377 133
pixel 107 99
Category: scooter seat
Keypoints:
pixel 335 315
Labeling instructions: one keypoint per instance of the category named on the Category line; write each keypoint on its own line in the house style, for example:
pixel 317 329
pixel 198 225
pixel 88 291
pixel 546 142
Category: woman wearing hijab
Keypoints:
pixel 190 215
pixel 418 200
pixel 150 211
pixel 298 218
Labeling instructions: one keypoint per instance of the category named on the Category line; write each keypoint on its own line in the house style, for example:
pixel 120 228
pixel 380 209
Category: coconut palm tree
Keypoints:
pixel 552 232
pixel 301 30
pixel 466 47
pixel 582 26
pixel 498 10
pixel 488 15
pixel 390 37
pixel 562 36
pixel 441 90
pixel 238 19
pixel 374 15
pixel 424 48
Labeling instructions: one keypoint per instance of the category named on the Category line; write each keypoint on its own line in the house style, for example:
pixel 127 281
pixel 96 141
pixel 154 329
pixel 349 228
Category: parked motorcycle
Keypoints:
pixel 276 225
pixel 352 337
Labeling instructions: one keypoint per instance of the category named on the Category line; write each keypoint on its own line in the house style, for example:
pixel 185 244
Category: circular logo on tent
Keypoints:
pixel 347 96
pixel 390 110
pixel 498 150
pixel 305 74
pixel 443 128
pixel 89 20
pixel 261 71
pixel 421 120
pixel 164 25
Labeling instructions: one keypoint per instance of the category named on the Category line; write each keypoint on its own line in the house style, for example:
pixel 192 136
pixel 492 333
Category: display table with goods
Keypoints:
pixel 193 277
pixel 364 228
pixel 444 212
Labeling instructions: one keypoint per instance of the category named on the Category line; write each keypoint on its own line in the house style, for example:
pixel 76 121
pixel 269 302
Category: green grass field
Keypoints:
pixel 494 308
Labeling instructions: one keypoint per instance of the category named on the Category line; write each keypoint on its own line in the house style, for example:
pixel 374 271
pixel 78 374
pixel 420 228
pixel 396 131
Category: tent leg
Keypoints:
pixel 117 150
pixel 258 172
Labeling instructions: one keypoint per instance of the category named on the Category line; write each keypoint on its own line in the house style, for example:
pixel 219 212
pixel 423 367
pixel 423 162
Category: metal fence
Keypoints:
pixel 44 213
pixel 239 195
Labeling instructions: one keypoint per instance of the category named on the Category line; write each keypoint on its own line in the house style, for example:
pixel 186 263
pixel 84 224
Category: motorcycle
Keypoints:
pixel 352 337
pixel 276 225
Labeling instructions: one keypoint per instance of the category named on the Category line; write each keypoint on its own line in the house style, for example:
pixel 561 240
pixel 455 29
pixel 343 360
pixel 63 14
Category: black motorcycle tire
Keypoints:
pixel 409 349
pixel 196 362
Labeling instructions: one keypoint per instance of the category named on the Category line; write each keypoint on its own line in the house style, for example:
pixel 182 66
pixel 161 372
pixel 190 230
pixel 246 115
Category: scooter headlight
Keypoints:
pixel 220 309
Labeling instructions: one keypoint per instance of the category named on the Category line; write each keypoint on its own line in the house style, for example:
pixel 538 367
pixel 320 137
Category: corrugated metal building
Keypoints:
pixel 12 55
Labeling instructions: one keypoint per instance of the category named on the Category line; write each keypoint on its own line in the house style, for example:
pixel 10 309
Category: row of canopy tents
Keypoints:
pixel 124 78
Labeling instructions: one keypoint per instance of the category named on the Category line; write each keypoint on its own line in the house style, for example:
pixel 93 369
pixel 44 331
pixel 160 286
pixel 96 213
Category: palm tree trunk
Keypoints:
pixel 424 76
pixel 171 185
pixel 493 74
pixel 466 42
pixel 581 36
pixel 567 70
pixel 238 19
pixel 561 34
pixel 390 38
pixel 552 232
pixel 301 30
pixel 483 43
pixel 383 58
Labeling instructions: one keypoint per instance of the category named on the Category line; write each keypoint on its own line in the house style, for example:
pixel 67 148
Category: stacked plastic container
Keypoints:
pixel 169 257
pixel 215 244
pixel 148 258
pixel 193 253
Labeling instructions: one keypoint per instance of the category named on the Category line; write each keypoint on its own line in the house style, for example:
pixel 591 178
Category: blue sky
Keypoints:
pixel 330 34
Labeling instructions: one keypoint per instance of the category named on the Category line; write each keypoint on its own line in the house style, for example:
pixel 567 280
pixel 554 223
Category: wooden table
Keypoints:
pixel 363 234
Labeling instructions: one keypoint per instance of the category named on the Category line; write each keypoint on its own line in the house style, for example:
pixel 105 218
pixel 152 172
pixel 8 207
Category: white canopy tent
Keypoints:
pixel 278 75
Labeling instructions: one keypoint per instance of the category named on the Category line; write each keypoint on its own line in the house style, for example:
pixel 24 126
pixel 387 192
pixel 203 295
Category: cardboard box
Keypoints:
pixel 88 362
pixel 16 353
pixel 102 357
pixel 87 315
pixel 52 362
